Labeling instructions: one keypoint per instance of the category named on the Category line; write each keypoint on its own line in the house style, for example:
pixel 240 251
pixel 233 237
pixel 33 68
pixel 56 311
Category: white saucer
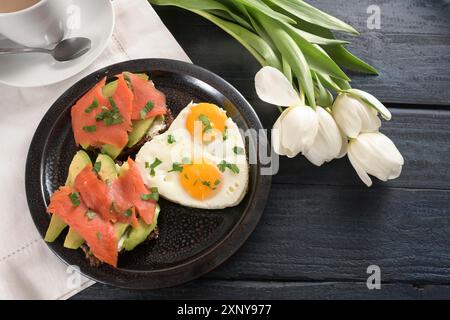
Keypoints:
pixel 34 69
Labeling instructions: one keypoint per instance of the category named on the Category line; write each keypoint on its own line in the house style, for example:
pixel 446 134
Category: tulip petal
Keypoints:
pixel 299 130
pixel 328 141
pixel 362 174
pixel 273 87
pixel 376 155
pixel 344 147
pixel 388 160
pixel 371 101
pixel 353 117
pixel 276 136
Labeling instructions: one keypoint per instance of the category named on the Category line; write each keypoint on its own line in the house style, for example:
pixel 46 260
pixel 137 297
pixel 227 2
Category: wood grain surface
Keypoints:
pixel 322 228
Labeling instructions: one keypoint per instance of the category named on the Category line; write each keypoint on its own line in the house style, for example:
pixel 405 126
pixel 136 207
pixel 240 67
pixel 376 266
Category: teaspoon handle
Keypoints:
pixel 22 50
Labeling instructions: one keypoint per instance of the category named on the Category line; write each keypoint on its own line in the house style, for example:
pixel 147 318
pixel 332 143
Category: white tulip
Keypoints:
pixel 328 142
pixel 354 117
pixel 375 154
pixel 295 131
pixel 296 128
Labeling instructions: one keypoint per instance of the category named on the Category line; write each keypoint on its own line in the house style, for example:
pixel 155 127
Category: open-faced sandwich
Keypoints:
pixel 107 207
pixel 197 160
pixel 117 117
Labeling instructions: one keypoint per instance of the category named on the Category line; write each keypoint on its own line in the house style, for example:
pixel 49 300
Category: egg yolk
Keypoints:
pixel 201 180
pixel 210 120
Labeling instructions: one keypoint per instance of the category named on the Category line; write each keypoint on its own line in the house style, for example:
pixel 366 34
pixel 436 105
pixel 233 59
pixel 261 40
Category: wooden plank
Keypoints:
pixel 411 50
pixel 317 233
pixel 412 16
pixel 334 233
pixel 422 136
pixel 230 290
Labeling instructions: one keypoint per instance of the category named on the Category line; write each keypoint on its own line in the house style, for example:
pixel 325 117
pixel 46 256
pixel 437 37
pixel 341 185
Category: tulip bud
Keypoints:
pixel 295 131
pixel 354 117
pixel 328 142
pixel 375 154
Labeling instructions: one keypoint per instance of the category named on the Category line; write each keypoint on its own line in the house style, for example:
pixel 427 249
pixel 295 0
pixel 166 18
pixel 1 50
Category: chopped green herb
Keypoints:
pixel 171 139
pixel 90 128
pixel 97 167
pixel 102 115
pixel 176 167
pixel 238 150
pixel 152 167
pixel 99 236
pixel 205 121
pixel 110 117
pixel 112 103
pixel 75 199
pixel 225 133
pixel 154 195
pixel 224 165
pixel 92 106
pixel 146 109
pixel 206 183
pixel 90 214
pixel 128 212
pixel 186 176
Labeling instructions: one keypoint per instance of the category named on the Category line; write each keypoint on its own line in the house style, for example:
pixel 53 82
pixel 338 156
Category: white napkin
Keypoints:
pixel 28 269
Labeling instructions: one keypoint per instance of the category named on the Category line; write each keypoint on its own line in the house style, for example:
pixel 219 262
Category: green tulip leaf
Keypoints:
pixel 306 12
pixel 291 52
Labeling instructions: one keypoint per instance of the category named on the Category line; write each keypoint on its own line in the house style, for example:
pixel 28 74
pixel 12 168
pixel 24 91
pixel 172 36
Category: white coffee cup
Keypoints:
pixel 40 25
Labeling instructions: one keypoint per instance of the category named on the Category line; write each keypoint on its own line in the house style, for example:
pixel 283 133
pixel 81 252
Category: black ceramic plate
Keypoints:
pixel 192 241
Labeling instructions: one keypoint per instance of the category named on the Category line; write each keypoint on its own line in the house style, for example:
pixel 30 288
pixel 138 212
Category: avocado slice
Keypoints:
pixel 139 130
pixel 124 168
pixel 108 172
pixel 121 228
pixel 79 162
pixel 111 150
pixel 57 225
pixel 139 234
pixel 73 240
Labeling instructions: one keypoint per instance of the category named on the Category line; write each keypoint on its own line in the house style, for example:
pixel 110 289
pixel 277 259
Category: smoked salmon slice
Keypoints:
pixel 148 101
pixel 128 191
pixel 95 194
pixel 98 233
pixel 97 120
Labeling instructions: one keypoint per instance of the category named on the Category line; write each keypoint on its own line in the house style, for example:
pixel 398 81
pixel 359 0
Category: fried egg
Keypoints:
pixel 200 161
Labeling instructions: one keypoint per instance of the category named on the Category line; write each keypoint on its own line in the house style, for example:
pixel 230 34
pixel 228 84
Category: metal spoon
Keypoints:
pixel 66 50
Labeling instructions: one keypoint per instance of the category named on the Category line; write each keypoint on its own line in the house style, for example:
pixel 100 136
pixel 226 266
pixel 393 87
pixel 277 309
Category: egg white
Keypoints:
pixel 233 186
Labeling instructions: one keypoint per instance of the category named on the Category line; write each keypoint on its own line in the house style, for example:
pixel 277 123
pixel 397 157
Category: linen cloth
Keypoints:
pixel 28 269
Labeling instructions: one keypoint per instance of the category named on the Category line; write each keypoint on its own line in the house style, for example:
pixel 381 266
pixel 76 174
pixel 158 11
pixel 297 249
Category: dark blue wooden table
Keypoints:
pixel 322 228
